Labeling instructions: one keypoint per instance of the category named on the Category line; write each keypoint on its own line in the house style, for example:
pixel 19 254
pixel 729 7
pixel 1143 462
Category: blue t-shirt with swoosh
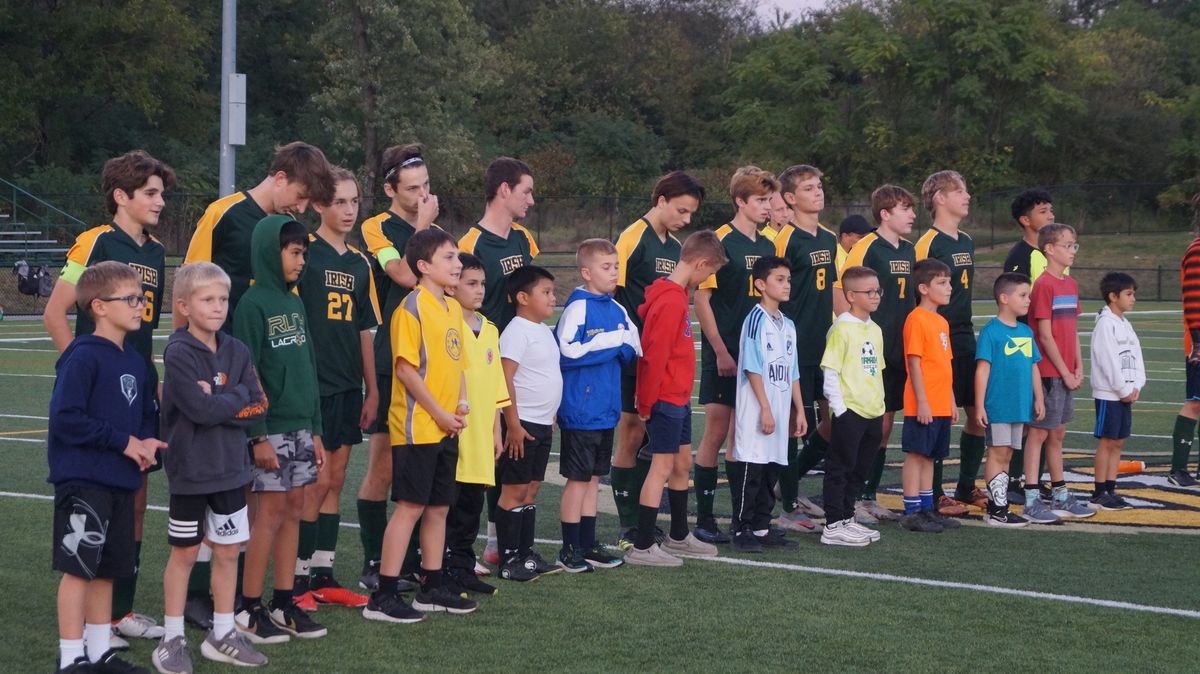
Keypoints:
pixel 1012 351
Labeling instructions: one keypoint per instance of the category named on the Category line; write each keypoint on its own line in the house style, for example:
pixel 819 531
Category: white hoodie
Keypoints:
pixel 1117 364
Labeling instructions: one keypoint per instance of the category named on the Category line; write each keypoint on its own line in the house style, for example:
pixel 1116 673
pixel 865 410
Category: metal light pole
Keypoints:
pixel 233 98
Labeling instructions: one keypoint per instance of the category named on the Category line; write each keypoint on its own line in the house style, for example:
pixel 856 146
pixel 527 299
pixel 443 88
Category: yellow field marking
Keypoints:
pixel 36 430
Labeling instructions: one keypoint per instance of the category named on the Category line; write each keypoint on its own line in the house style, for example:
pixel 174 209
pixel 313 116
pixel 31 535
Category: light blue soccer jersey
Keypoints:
pixel 1012 351
pixel 768 349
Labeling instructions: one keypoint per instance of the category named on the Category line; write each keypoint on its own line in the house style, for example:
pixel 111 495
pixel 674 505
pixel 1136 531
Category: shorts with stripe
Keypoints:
pixel 1114 419
pixel 222 517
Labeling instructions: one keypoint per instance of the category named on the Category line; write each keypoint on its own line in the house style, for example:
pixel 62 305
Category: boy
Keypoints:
pixel 535 388
pixel 102 418
pixel 1118 377
pixel 853 385
pixel 892 257
pixel 133 186
pixel 646 251
pixel 210 394
pixel 412 209
pixel 428 412
pixel 768 388
pixel 722 303
pixel 948 202
pixel 929 406
pixel 665 377
pixel 286 445
pixel 1184 434
pixel 339 297
pixel 479 444
pixel 853 228
pixel 596 338
pixel 1053 314
pixel 1008 384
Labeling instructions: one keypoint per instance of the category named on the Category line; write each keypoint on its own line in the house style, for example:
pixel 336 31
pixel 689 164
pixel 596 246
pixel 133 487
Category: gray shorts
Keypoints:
pixel 1002 434
pixel 297 463
pixel 1060 407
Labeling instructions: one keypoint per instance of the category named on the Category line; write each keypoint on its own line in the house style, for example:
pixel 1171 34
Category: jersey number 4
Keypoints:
pixel 341 307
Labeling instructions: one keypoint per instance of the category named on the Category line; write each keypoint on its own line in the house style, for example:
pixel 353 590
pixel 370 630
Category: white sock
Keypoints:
pixel 222 624
pixel 301 567
pixel 761 532
pixel 172 627
pixel 69 650
pixel 98 639
pixel 491 534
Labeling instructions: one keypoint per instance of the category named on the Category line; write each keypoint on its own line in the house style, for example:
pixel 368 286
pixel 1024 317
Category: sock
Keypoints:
pixel 875 476
pixel 998 489
pixel 926 496
pixel 388 584
pixel 200 579
pixel 972 450
pixel 308 545
pixel 172 627
pixel 734 473
pixel 938 491
pixel 1031 493
pixel 678 499
pixel 222 624
pixel 327 537
pixel 587 532
pixel 508 533
pixel 646 518
pixel 624 496
pixel 124 589
pixel 280 598
pixel 97 640
pixel 1110 486
pixel 528 527
pixel 372 521
pixel 706 491
pixel 911 504
pixel 69 650
pixel 1098 488
pixel 1181 440
pixel 812 453
pixel 789 477
pixel 1059 487
pixel 431 580
pixel 491 530
pixel 1016 467
pixel 570 535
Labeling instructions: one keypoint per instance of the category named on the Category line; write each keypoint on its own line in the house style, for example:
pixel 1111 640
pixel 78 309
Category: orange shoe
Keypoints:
pixel 306 602
pixel 333 593
pixel 977 497
pixel 949 507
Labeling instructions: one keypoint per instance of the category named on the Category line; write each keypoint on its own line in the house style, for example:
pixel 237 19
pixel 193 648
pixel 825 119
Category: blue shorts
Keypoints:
pixel 669 427
pixel 1114 419
pixel 931 440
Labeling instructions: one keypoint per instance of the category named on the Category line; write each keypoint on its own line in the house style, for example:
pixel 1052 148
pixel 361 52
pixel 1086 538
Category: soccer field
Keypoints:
pixel 1116 593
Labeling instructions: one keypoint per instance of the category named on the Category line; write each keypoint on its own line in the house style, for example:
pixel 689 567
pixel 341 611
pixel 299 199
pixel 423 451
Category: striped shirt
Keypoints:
pixel 1189 276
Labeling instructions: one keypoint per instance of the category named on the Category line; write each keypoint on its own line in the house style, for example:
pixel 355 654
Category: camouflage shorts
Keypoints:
pixel 297 463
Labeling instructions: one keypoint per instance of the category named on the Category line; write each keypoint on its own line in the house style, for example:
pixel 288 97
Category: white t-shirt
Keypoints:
pixel 768 349
pixel 538 380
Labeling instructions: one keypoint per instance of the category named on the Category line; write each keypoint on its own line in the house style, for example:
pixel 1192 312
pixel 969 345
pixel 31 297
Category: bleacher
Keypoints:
pixel 22 241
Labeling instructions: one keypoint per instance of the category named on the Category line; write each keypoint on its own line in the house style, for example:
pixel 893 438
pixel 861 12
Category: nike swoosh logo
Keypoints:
pixel 1010 350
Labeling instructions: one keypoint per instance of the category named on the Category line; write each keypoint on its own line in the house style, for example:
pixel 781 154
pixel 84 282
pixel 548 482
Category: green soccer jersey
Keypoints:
pixel 501 256
pixel 111 243
pixel 959 255
pixel 386 236
pixel 222 237
pixel 642 257
pixel 733 292
pixel 894 265
pixel 340 301
pixel 813 258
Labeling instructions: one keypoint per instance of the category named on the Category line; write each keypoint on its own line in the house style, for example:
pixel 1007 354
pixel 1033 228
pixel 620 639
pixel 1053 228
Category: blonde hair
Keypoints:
pixel 197 275
pixel 704 245
pixel 751 181
pixel 102 279
pixel 936 183
pixel 588 250
pixel 1051 233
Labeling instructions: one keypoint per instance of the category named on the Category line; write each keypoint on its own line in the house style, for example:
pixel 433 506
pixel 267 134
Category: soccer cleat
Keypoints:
pixel 369 580
pixel 919 523
pixel 327 590
pixel 491 554
pixel 1182 478
pixel 521 570
pixel 306 602
pixel 798 520
pixel 652 556
pixel 138 626
pixel 1071 508
pixel 439 600
pixel 1006 519
pixel 745 541
pixel 481 570
pixel 949 507
pixel 776 538
pixel 1039 513
pixel 111 663
pixel 391 608
pixel 946 522
pixel 571 560
pixel 840 533
pixel 599 558
pixel 976 497
pixel 293 620
pixel 626 538
pixel 80 665
pixel 258 628
pixel 469 582
pixel 707 531
pixel 690 546
pixel 234 649
pixel 871 534
pixel 809 507
pixel 172 657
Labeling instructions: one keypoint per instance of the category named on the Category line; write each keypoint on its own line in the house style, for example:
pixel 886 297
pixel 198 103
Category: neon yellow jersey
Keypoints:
pixel 854 349
pixel 486 393
pixel 429 337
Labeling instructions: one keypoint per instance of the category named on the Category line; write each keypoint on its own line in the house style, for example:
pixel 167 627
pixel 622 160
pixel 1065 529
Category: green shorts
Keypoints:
pixel 340 413
pixel 717 389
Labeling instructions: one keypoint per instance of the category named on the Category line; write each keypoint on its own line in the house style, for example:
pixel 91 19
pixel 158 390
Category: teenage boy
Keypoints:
pixel 339 297
pixel 646 251
pixel 666 374
pixel 768 390
pixel 948 202
pixel 892 257
pixel 535 387
pixel 852 229
pixel 1053 314
pixel 1009 386
pixel 210 394
pixel 412 209
pixel 1032 210
pixel 428 412
pixel 286 445
pixel 133 187
pixel 854 366
pixel 1184 434
pixel 1118 377
pixel 596 338
pixel 929 405
pixel 102 418
pixel 722 303
pixel 812 252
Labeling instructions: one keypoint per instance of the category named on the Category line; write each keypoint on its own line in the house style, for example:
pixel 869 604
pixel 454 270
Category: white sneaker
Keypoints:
pixel 840 533
pixel 871 534
pixel 116 643
pixel 688 547
pixel 138 626
pixel 481 570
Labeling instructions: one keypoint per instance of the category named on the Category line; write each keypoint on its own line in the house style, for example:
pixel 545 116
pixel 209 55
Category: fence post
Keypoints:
pixel 1158 295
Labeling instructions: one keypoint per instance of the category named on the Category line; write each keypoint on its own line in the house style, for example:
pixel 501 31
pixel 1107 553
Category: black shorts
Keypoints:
pixel 894 378
pixel 931 440
pixel 962 347
pixel 384 384
pixel 629 387
pixel 531 467
pixel 424 474
pixel 93 531
pixel 1193 380
pixel 669 428
pixel 585 454
pixel 717 389
pixel 1114 419
pixel 812 383
pixel 340 413
pixel 222 516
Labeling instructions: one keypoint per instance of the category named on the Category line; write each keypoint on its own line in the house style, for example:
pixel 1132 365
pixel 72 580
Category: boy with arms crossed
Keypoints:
pixel 1118 377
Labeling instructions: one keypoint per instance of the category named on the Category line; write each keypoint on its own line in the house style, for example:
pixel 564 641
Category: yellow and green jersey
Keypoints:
pixel 501 256
pixel 642 258
pixel 893 265
pixel 733 292
pixel 386 236
pixel 222 237
pixel 813 258
pixel 959 255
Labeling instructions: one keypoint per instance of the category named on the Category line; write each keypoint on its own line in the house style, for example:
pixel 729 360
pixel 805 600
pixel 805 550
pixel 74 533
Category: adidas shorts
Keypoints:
pixel 93 531
pixel 297 463
pixel 222 517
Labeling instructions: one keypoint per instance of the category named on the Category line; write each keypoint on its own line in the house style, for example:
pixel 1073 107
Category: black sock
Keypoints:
pixel 431 580
pixel 388 584
pixel 678 499
pixel 249 603
pixel 1055 484
pixel 1110 486
pixel 646 518
pixel 280 599
pixel 508 533
pixel 1098 488
pixel 528 522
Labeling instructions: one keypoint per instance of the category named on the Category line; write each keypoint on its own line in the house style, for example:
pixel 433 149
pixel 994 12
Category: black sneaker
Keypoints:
pixel 80 665
pixel 256 624
pixel 467 580
pixel 599 558
pixel 776 538
pixel 369 580
pixel 111 663
pixel 391 608
pixel 708 531
pixel 571 560
pixel 1005 519
pixel 1182 478
pixel 919 523
pixel 518 569
pixel 542 567
pixel 198 611
pixel 438 599
pixel 1109 501
pixel 293 620
pixel 746 541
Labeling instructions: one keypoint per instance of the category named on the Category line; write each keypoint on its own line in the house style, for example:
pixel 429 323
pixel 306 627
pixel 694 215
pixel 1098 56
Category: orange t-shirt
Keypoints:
pixel 927 335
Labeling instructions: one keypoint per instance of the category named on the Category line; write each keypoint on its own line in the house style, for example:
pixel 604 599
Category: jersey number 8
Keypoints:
pixel 821 278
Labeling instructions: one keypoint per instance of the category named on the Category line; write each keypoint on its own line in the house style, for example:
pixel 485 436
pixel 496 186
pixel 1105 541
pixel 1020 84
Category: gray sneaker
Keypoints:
pixel 688 547
pixel 809 507
pixel 798 520
pixel 1072 509
pixel 172 656
pixel 234 649
pixel 861 514
pixel 1038 512
pixel 651 556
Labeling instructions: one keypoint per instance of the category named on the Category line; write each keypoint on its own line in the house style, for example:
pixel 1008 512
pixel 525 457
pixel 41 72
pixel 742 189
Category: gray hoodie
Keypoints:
pixel 205 432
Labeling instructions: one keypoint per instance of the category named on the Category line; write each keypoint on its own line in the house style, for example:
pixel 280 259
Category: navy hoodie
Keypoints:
pixel 595 337
pixel 99 400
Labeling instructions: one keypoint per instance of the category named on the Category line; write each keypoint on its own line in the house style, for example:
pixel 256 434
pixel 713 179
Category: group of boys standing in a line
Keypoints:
pixel 810 342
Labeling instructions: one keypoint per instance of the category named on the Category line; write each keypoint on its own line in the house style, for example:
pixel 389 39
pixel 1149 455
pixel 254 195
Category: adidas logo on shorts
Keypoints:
pixel 227 528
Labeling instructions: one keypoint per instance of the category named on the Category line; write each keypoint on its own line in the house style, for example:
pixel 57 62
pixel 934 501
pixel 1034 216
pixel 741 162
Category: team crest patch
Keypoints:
pixel 454 343
pixel 129 387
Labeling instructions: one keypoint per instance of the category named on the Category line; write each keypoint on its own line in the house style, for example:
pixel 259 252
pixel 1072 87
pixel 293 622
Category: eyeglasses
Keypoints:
pixel 134 301
pixel 873 292
pixel 1073 247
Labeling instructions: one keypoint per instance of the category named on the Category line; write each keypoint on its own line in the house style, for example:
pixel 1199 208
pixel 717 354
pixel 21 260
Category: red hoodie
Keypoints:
pixel 667 369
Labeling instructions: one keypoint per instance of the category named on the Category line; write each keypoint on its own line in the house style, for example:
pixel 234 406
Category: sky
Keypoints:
pixel 766 8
